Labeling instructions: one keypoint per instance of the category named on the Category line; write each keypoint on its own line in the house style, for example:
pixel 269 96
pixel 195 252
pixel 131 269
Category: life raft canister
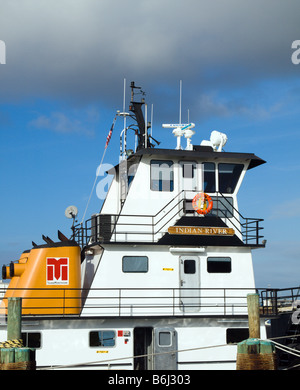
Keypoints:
pixel 202 203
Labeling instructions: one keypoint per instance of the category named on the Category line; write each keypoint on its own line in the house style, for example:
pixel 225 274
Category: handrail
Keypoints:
pixel 245 228
pixel 130 301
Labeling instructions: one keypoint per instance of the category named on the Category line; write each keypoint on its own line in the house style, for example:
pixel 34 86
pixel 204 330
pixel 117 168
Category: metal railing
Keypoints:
pixel 249 227
pixel 279 300
pixel 128 302
pixel 149 228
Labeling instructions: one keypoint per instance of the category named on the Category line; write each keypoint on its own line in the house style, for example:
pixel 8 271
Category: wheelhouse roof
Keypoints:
pixel 203 152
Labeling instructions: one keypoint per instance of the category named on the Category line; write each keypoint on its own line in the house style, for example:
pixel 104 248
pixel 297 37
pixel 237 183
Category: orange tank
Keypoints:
pixel 47 278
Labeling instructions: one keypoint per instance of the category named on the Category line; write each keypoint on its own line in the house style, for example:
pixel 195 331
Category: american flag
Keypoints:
pixel 110 133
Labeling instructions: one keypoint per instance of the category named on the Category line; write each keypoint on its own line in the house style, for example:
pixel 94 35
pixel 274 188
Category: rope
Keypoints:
pixel 93 188
pixel 132 357
pixel 285 348
pixel 277 345
pixel 105 148
pixel 16 343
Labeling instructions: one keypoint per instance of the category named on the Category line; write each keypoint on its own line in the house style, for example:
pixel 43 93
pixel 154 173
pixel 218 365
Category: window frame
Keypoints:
pixel 234 182
pixel 25 337
pixel 236 335
pixel 188 268
pixel 159 339
pixel 227 211
pixel 98 331
pixel 211 261
pixel 137 271
pixel 213 189
pixel 161 181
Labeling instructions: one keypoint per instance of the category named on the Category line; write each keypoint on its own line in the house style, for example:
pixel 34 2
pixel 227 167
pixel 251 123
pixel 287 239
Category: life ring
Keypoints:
pixel 202 203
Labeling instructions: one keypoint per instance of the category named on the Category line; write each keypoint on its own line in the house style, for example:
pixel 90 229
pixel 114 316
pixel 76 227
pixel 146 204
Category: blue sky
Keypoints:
pixel 63 82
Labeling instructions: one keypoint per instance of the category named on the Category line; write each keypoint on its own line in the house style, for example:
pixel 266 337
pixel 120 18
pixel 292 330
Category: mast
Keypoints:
pixel 136 109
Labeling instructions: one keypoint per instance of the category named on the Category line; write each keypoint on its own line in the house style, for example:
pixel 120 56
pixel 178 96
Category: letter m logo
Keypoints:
pixel 57 270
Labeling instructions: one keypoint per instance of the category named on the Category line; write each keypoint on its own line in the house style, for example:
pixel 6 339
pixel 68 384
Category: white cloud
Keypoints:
pixel 286 209
pixel 60 123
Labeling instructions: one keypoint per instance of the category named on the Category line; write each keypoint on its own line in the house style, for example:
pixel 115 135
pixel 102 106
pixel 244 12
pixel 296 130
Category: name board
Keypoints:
pixel 201 231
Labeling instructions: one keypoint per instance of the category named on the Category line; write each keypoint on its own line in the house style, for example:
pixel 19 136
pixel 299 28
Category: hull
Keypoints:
pixel 190 343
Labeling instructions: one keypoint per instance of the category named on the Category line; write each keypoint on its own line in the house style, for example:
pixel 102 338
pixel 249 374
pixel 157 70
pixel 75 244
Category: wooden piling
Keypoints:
pixel 253 353
pixel 253 316
pixel 15 357
pixel 7 355
pixel 14 318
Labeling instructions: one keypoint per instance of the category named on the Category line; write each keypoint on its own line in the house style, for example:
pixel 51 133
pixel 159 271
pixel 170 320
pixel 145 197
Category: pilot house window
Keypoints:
pixel 209 177
pixel 162 175
pixel 229 175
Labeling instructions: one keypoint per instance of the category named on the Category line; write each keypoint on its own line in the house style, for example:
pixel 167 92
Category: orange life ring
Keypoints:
pixel 202 203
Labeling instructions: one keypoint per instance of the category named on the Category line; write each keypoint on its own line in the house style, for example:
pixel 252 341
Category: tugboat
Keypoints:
pixel 158 279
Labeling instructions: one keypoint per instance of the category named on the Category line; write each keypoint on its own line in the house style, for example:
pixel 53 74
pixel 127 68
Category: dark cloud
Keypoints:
pixel 82 50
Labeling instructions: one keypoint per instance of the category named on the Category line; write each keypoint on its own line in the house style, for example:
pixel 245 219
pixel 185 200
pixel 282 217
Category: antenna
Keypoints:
pixel 180 130
pixel 151 119
pixel 124 114
pixel 180 95
pixel 71 212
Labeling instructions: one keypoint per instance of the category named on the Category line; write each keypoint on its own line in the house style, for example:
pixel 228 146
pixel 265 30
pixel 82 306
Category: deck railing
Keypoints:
pixel 128 302
pixel 150 228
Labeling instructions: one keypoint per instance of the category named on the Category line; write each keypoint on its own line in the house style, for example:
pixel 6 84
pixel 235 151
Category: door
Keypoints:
pixel 143 348
pixel 189 283
pixel 165 349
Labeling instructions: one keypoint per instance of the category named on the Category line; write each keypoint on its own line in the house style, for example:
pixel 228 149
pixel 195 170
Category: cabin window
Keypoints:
pixel 209 177
pixel 222 207
pixel 229 175
pixel 31 339
pixel 219 264
pixel 135 264
pixel 236 335
pixel 102 338
pixel 161 175
pixel 164 339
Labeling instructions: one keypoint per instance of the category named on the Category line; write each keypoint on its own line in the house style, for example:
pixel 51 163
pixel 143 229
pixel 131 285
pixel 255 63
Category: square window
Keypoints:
pixel 164 339
pixel 31 339
pixel 161 175
pixel 236 335
pixel 103 338
pixel 219 264
pixel 189 266
pixel 135 264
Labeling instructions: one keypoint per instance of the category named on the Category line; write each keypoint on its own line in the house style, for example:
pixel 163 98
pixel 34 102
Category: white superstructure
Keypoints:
pixel 165 272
